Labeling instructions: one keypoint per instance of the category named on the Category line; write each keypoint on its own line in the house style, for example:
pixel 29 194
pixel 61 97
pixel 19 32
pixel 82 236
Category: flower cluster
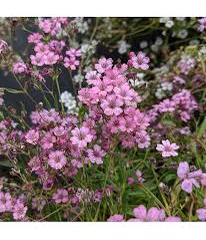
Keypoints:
pixel 16 206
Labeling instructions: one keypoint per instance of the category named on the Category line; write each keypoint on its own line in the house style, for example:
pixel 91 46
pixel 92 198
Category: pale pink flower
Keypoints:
pixel 96 154
pixel 19 67
pixel 38 59
pixel 167 148
pixel 189 179
pixel 35 38
pixel 103 65
pixel 19 211
pixel 57 160
pixel 41 48
pixel 116 218
pixel 51 58
pixel 32 136
pixel 61 196
pixel 71 63
pixel 112 105
pixel 5 202
pixel 81 137
pixel 92 77
pixel 72 52
pixel 139 60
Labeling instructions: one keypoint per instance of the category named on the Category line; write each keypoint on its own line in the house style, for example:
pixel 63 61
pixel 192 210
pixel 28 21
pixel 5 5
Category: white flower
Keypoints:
pixel 169 24
pixel 143 44
pixel 167 86
pixel 158 41
pixel 159 93
pixel 78 78
pixel 82 25
pixel 180 19
pixel 69 101
pixel 194 42
pixel 123 46
pixel 182 34
pixel 154 48
pixel 202 51
pixel 164 19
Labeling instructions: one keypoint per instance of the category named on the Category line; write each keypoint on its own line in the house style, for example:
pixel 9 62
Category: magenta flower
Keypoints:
pixel 189 179
pixel 92 77
pixel 142 139
pixel 103 65
pixel 5 202
pixel 96 154
pixel 72 52
pixel 34 38
pixel 32 136
pixel 19 211
pixel 38 59
pixel 139 60
pixel 71 63
pixel 167 148
pixel 51 58
pixel 41 48
pixel 81 137
pixel 20 67
pixel 57 160
pixel 112 105
pixel 61 196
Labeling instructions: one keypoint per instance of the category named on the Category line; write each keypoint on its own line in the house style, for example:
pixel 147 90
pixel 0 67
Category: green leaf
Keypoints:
pixel 5 163
pixel 201 129
pixel 1 116
pixel 11 90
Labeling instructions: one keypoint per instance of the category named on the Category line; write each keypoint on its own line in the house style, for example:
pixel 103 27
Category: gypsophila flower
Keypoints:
pixel 57 160
pixel 168 149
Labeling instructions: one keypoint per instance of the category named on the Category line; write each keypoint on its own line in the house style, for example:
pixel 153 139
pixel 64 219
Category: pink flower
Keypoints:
pixel 112 105
pixel 34 38
pixel 20 67
pixel 72 52
pixel 139 60
pixel 140 179
pixel 81 137
pixel 189 179
pixel 3 46
pixel 167 106
pixel 41 48
pixel 96 154
pixel 32 137
pixel 5 202
pixel 61 196
pixel 142 139
pixel 202 24
pixel 103 65
pixel 167 148
pixel 19 211
pixel 57 160
pixel 92 77
pixel 38 59
pixel 173 219
pixel 116 218
pixel 71 63
pixel 152 215
pixel 51 58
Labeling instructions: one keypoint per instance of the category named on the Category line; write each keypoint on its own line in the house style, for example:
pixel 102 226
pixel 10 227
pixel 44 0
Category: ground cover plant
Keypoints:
pixel 103 119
